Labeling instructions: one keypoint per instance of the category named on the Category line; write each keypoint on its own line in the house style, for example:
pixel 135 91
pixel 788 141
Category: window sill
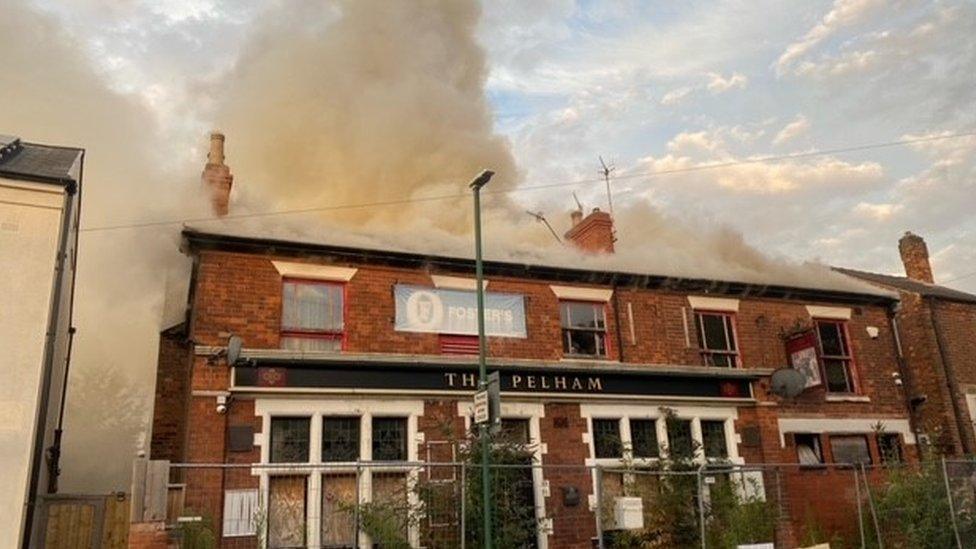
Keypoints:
pixel 847 398
pixel 588 358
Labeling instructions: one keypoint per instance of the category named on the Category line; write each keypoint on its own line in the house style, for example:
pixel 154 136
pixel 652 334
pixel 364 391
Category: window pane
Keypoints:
pixel 583 343
pixel 808 450
pixel 889 446
pixel 286 511
pixel 516 431
pixel 679 438
pixel 713 439
pixel 581 315
pixel 643 438
pixel 389 439
pixel 832 338
pixel 719 360
pixel 713 329
pixel 311 343
pixel 340 439
pixel 606 438
pixel 311 306
pixel 837 378
pixel 289 439
pixel 850 449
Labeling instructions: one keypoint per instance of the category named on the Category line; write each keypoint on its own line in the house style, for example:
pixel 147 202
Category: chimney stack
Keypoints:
pixel 915 256
pixel 216 176
pixel 593 233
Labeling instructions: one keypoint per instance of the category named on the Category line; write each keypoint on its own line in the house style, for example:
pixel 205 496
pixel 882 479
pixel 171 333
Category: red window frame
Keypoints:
pixel 848 359
pixel 732 334
pixel 335 335
pixel 562 329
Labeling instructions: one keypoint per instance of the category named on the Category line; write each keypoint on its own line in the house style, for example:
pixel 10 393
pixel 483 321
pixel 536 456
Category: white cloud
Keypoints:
pixel 676 96
pixel 799 126
pixel 878 212
pixel 843 13
pixel 719 84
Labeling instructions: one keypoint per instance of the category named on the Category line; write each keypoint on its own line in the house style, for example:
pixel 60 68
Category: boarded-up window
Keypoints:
pixel 338 517
pixel 286 511
pixel 240 513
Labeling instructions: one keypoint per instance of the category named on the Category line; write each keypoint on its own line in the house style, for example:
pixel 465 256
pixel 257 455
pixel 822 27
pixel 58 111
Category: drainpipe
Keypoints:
pixel 951 382
pixel 908 389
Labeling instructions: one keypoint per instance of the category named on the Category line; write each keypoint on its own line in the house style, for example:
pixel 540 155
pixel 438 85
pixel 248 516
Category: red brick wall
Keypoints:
pixel 562 431
pixel 594 233
pixel 172 391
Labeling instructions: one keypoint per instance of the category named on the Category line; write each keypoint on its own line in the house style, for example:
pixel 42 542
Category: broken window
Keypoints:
pixel 606 438
pixel 713 439
pixel 835 356
pixel 584 328
pixel 312 315
pixel 289 439
pixel 340 439
pixel 850 449
pixel 716 339
pixel 643 438
pixel 808 450
pixel 389 439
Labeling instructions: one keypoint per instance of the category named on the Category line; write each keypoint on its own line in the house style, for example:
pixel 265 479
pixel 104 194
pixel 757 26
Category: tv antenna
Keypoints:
pixel 578 203
pixel 540 217
pixel 606 171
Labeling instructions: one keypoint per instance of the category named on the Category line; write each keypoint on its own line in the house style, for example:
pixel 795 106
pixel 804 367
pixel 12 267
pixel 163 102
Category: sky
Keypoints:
pixel 541 90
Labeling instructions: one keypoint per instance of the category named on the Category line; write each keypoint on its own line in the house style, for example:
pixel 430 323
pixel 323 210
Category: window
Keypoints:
pixel 289 439
pixel 680 442
pixel 516 431
pixel 716 338
pixel 240 513
pixel 389 439
pixel 340 439
pixel 713 439
pixel 312 317
pixel 606 438
pixel 286 511
pixel 643 438
pixel 850 449
pixel 889 446
pixel 835 356
pixel 584 328
pixel 808 451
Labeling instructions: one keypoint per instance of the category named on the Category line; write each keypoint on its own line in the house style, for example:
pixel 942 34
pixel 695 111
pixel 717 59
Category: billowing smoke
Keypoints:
pixel 362 101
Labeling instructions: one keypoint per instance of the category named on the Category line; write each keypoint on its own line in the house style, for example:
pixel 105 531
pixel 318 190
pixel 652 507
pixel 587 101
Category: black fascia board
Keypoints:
pixel 195 241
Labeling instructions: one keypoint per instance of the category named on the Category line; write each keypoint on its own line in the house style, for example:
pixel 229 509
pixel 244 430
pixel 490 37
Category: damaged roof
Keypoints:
pixel 40 163
pixel 905 284
pixel 609 274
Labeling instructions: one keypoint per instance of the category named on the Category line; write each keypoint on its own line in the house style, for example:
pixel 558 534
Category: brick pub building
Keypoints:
pixel 366 354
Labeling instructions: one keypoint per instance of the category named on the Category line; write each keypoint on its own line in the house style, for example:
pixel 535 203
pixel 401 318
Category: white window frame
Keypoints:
pixel 315 469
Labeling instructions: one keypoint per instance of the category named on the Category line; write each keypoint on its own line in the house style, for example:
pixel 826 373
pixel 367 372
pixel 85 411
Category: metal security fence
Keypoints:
pixel 439 505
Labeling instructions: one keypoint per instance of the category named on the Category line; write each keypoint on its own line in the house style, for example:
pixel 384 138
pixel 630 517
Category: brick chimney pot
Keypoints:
pixel 216 176
pixel 915 257
pixel 593 233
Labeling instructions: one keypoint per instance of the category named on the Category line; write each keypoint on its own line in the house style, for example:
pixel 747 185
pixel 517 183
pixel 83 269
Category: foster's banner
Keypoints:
pixel 441 311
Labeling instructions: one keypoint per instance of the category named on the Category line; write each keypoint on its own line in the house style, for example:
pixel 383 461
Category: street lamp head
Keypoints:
pixel 483 178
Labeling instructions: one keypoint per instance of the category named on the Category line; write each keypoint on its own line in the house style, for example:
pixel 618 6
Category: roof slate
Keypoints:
pixel 906 284
pixel 37 162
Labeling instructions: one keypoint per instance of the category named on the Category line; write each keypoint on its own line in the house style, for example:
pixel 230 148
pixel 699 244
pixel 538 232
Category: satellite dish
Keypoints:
pixel 787 382
pixel 234 345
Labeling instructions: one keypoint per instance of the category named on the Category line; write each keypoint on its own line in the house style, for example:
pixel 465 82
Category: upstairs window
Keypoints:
pixel 312 317
pixel 835 356
pixel 289 439
pixel 584 328
pixel 606 438
pixel 716 339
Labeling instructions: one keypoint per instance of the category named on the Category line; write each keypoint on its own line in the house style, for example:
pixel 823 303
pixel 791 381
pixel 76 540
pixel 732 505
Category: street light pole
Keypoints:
pixel 476 186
